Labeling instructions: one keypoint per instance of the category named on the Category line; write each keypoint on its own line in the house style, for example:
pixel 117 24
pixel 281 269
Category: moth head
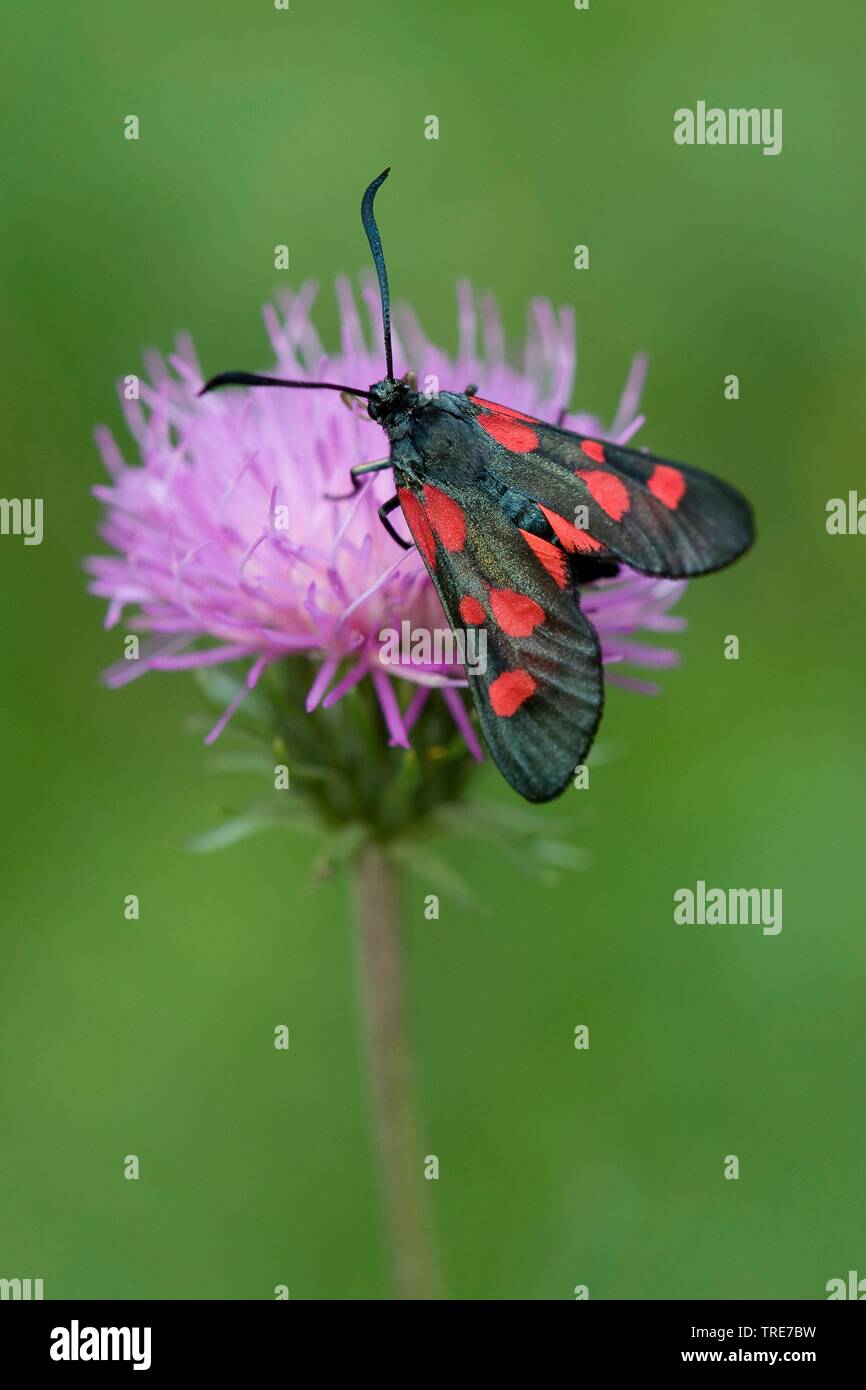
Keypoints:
pixel 389 398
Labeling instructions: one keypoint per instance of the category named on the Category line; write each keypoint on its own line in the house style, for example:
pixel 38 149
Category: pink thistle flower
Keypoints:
pixel 225 532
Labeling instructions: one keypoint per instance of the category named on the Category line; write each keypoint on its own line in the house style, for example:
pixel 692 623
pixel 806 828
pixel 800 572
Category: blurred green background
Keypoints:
pixel 155 1037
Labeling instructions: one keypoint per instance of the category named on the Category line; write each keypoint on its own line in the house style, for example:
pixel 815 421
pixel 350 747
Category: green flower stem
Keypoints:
pixel 382 972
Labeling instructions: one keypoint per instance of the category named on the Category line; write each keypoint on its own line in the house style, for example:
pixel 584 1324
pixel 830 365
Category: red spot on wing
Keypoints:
pixel 593 450
pixel 550 556
pixel 504 425
pixel 509 691
pixel 418 524
pixel 516 614
pixel 571 537
pixel 607 490
pixel 668 485
pixel 520 439
pixel 446 517
pixel 471 611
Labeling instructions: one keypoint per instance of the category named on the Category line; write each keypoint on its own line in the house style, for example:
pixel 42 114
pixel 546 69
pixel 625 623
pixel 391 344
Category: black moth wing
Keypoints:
pixel 540 698
pixel 661 518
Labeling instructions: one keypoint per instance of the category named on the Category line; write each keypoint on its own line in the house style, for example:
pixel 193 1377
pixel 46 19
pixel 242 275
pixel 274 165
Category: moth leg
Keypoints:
pixel 470 390
pixel 354 474
pixel 560 419
pixel 384 512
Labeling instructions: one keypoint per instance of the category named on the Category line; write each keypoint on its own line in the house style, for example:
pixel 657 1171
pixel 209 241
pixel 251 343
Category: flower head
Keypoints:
pixel 227 543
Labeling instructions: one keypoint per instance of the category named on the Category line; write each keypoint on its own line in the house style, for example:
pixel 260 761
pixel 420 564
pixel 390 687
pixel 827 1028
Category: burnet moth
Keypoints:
pixel 491 497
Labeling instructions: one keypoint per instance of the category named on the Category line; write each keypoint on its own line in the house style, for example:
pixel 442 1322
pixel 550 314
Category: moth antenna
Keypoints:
pixel 369 222
pixel 253 379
